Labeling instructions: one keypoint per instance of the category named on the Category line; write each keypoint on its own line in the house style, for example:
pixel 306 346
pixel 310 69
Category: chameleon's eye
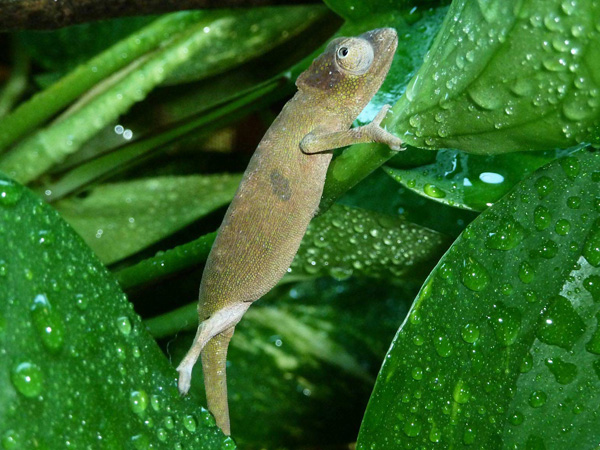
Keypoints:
pixel 355 55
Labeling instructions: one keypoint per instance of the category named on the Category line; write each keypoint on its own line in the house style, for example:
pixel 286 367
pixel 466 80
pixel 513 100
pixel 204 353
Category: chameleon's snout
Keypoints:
pixel 382 39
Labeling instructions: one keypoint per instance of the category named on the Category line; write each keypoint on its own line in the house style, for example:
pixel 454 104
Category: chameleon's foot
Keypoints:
pixel 220 321
pixel 378 134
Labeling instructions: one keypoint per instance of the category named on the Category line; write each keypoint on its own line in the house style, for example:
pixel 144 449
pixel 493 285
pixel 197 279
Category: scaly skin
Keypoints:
pixel 280 193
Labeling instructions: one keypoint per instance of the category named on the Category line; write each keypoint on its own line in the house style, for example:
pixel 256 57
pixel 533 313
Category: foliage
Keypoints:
pixel 137 141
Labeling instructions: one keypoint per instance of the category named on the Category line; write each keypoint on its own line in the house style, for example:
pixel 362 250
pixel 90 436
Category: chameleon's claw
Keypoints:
pixel 185 379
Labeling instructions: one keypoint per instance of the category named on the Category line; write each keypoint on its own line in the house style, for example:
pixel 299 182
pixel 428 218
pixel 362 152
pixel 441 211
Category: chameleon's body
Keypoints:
pixel 279 195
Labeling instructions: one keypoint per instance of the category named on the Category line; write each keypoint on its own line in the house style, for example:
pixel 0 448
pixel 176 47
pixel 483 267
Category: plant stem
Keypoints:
pixel 17 83
pixel 44 105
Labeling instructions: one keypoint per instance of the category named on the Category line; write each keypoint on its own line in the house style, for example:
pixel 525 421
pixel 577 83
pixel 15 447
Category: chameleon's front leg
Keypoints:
pixel 316 142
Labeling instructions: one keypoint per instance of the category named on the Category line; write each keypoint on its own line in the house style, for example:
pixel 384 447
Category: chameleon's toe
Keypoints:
pixel 185 380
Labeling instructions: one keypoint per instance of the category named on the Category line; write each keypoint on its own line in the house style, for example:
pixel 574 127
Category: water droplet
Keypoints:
pixel 341 273
pixel 461 392
pixel 435 435
pixel 506 322
pixel 417 373
pixel 161 434
pixel 469 436
pixel 562 227
pixel 189 422
pixel 563 372
pixel 124 325
pixel 574 202
pixel 47 323
pixel 442 346
pixel 433 191
pixel 470 333
pixel 592 285
pixel 537 399
pixel 10 193
pixel 593 346
pixel 571 166
pixel 138 400
pixel 542 217
pixel 474 275
pixel 11 440
pixel 526 272
pixel 549 249
pixel 560 325
pixel 412 428
pixel 544 185
pixel 140 442
pixel 526 364
pixel 591 248
pixel 507 236
pixel 27 378
pixel 517 418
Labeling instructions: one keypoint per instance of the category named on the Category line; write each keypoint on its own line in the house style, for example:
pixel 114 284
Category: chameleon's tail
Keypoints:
pixel 214 358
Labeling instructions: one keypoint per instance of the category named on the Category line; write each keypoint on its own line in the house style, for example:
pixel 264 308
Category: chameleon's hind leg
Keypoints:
pixel 220 321
pixel 214 360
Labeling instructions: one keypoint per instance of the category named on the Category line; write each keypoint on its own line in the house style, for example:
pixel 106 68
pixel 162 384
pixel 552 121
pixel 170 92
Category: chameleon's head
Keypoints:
pixel 350 70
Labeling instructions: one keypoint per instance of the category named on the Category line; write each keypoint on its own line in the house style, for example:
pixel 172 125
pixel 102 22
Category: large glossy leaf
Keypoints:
pixel 471 181
pixel 119 219
pixel 77 367
pixel 506 76
pixel 500 348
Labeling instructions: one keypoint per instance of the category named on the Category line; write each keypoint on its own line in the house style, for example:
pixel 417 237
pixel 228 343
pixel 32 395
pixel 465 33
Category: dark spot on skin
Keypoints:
pixel 280 185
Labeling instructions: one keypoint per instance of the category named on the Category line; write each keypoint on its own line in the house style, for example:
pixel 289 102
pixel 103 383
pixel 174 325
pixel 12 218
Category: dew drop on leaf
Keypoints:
pixel 526 272
pixel 560 325
pixel 470 333
pixel 10 193
pixel 544 185
pixel 592 285
pixel 593 346
pixel 47 323
pixel 562 227
pixel 11 440
pixel 506 322
pixel 412 427
pixel 591 248
pixel 474 276
pixel 537 399
pixel 507 236
pixel 433 191
pixel 461 392
pixel 189 422
pixel 564 372
pixel 124 325
pixel 28 379
pixel 138 401
pixel 542 218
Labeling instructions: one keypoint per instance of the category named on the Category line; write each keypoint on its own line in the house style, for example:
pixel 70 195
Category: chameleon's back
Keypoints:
pixel 270 212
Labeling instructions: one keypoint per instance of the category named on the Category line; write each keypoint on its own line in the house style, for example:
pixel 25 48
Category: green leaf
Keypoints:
pixel 470 181
pixel 119 219
pixel 78 366
pixel 500 347
pixel 349 241
pixel 507 76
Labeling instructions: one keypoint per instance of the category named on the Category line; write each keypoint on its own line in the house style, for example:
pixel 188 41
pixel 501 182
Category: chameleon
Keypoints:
pixel 279 194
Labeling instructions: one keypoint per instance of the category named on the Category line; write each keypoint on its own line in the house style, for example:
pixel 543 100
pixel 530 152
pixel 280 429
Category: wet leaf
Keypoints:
pixel 504 330
pixel 470 181
pixel 119 219
pixel 507 76
pixel 350 241
pixel 78 366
